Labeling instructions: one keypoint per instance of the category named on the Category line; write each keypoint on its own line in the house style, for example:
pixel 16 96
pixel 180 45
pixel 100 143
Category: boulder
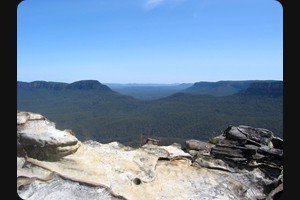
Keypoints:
pixel 260 135
pixel 243 134
pixel 233 133
pixel 197 145
pixel 37 137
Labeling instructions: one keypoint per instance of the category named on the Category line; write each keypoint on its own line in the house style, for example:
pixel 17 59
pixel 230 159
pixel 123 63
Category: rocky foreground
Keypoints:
pixel 242 163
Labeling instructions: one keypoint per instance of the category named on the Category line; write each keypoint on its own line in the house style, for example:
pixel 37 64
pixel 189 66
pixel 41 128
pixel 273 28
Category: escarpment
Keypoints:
pixel 242 163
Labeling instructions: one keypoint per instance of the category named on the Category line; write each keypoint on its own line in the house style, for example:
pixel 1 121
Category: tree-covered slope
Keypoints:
pixel 149 91
pixel 265 88
pixel 101 114
pixel 220 88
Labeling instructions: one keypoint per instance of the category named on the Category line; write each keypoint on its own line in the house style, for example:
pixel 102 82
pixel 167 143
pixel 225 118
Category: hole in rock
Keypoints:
pixel 137 181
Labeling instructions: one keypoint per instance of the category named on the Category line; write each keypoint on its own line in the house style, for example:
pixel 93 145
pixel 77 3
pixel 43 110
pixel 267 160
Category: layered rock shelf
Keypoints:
pixel 242 163
pixel 37 137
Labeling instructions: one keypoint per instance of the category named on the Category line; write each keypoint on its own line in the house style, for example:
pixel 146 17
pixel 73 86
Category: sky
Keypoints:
pixel 149 41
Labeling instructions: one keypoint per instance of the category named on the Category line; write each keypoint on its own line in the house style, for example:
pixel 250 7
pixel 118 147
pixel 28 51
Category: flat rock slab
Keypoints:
pixel 135 173
pixel 63 189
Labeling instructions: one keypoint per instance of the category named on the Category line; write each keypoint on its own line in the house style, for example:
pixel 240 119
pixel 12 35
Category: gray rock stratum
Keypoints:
pixel 53 164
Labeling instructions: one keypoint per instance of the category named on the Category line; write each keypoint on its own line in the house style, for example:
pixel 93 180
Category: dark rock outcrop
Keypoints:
pixel 245 149
pixel 196 146
pixel 277 142
pixel 254 145
pixel 257 136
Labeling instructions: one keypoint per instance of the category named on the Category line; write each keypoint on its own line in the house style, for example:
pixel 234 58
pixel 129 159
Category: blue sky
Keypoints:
pixel 149 41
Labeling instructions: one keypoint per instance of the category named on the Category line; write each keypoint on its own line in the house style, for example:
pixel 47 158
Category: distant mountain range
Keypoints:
pixel 220 88
pixel 149 91
pixel 81 85
pixel 157 91
pixel 94 111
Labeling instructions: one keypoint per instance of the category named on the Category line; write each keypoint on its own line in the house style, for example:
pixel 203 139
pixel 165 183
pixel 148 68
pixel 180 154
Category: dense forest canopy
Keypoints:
pixel 94 111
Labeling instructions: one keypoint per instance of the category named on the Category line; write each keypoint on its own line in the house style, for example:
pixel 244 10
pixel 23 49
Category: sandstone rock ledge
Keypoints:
pixel 37 137
pixel 91 170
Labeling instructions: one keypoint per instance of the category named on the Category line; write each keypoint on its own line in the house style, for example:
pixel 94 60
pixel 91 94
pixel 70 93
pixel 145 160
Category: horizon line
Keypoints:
pixel 152 83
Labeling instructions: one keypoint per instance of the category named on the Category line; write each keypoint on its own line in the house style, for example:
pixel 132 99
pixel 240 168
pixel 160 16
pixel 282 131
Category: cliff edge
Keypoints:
pixel 242 163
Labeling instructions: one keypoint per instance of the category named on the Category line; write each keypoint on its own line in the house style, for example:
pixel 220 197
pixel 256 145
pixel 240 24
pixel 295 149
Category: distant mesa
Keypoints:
pixel 220 88
pixel 80 85
pixel 87 84
pixel 250 87
pixel 41 84
pixel 266 88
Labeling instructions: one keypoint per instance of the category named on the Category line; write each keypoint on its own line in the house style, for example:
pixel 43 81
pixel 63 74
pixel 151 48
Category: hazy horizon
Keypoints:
pixel 145 83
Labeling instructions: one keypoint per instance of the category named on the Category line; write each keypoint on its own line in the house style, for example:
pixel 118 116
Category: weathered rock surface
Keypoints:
pixel 197 145
pixel 247 152
pixel 255 150
pixel 37 137
pixel 258 136
pixel 59 188
pixel 135 173
pixel 114 171
pixel 170 152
